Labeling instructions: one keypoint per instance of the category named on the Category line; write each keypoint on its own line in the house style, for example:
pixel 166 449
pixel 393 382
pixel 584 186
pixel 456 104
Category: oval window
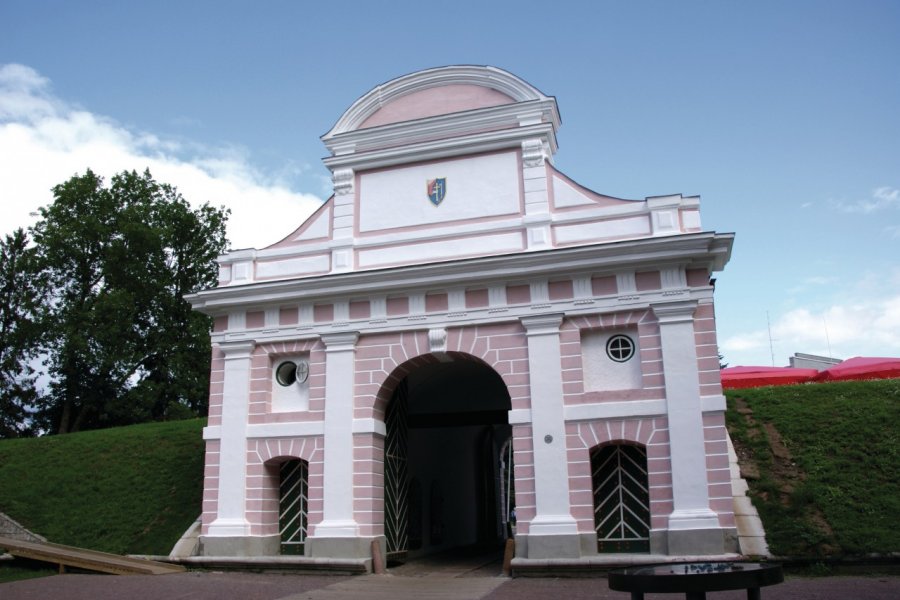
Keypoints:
pixel 620 348
pixel 286 373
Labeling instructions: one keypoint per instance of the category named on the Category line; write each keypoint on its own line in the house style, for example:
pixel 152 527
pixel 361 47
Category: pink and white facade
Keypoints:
pixel 532 329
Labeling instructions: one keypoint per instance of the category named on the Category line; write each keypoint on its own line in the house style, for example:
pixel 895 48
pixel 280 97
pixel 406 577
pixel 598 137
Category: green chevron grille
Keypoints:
pixel 621 498
pixel 396 476
pixel 293 506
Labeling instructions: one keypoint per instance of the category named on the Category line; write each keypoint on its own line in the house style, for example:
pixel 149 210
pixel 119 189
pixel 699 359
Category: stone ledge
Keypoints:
pixel 334 566
pixel 599 565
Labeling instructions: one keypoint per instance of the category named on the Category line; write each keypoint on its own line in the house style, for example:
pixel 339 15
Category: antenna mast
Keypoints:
pixel 827 338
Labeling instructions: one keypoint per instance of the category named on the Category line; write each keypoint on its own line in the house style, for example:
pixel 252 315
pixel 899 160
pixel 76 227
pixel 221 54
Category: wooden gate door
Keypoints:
pixel 621 498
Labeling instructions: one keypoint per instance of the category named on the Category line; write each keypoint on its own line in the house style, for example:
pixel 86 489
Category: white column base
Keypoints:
pixel 228 528
pixel 553 525
pixel 697 518
pixel 337 529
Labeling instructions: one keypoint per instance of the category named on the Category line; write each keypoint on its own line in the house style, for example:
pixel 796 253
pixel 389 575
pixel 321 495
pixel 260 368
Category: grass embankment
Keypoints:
pixel 823 460
pixel 129 490
pixel 823 464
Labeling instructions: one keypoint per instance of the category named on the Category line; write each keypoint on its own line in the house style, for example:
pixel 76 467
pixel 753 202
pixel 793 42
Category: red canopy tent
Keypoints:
pixel 746 377
pixel 862 368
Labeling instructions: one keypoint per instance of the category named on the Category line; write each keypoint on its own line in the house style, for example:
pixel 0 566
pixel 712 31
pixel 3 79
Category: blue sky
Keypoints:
pixel 783 116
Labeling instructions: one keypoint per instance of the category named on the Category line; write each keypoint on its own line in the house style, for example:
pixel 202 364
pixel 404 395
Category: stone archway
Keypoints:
pixel 446 425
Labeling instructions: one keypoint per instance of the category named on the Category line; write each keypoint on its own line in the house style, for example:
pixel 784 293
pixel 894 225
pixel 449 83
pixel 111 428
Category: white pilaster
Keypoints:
pixel 536 194
pixel 231 520
pixel 343 218
pixel 338 520
pixel 551 475
pixel 685 415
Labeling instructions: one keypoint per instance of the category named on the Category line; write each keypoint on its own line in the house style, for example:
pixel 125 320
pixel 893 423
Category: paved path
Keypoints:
pixel 250 586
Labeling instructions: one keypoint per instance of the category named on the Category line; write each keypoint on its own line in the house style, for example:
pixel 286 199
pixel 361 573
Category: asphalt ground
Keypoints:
pixel 252 586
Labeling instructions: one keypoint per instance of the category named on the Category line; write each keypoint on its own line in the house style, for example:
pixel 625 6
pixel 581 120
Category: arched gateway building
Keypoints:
pixel 463 342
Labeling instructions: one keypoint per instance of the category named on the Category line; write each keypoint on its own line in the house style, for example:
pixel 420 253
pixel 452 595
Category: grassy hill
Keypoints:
pixel 125 490
pixel 823 461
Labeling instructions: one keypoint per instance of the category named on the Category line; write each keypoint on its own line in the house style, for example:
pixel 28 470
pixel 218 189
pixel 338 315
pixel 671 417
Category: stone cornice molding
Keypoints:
pixel 412 150
pixel 491 77
pixel 340 342
pixel 237 350
pixel 675 312
pixel 542 324
pixel 707 250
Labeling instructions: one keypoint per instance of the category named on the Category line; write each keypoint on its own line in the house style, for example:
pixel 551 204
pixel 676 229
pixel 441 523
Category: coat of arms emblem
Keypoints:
pixel 436 189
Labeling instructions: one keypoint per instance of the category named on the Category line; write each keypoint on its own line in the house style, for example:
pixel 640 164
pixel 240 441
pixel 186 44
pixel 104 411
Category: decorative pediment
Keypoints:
pixel 440 113
pixel 448 164
pixel 434 92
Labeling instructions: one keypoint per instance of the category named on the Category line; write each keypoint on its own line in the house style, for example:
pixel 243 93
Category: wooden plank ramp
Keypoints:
pixel 90 560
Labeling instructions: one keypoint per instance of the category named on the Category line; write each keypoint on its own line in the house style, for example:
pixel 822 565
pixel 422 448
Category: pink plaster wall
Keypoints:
pixel 397 306
pixel 216 386
pixel 210 485
pixel 359 309
pixel 323 313
pixel 368 483
pixel 518 294
pixel 262 361
pixel 255 319
pixel 652 382
pixel 523 459
pixel 288 316
pixel 436 302
pixel 263 458
pixel 707 350
pixel 697 277
pixel 652 433
pixel 323 212
pixel 561 290
pixel 434 101
pixel 718 471
pixel 604 286
pixel 647 281
pixel 476 298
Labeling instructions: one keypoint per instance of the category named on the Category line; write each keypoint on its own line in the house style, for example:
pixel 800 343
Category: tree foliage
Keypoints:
pixel 122 344
pixel 20 334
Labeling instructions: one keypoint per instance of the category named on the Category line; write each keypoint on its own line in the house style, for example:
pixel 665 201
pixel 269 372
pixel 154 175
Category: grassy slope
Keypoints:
pixel 125 490
pixel 829 464
pixel 835 489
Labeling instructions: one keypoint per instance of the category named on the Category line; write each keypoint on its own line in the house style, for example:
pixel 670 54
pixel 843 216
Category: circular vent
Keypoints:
pixel 620 348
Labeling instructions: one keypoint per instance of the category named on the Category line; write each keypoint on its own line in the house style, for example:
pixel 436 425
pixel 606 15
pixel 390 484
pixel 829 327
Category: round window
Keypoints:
pixel 302 371
pixel 620 348
pixel 286 373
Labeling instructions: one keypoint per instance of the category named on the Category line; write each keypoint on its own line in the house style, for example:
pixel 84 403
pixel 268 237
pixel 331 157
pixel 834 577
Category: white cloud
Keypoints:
pixel 882 198
pixel 812 282
pixel 862 328
pixel 45 140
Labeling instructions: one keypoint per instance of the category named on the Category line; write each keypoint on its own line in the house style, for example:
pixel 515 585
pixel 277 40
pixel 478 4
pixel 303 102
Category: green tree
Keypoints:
pixel 123 344
pixel 20 299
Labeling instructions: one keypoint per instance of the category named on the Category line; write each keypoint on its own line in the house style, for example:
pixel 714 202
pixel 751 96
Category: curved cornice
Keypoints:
pixel 489 77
